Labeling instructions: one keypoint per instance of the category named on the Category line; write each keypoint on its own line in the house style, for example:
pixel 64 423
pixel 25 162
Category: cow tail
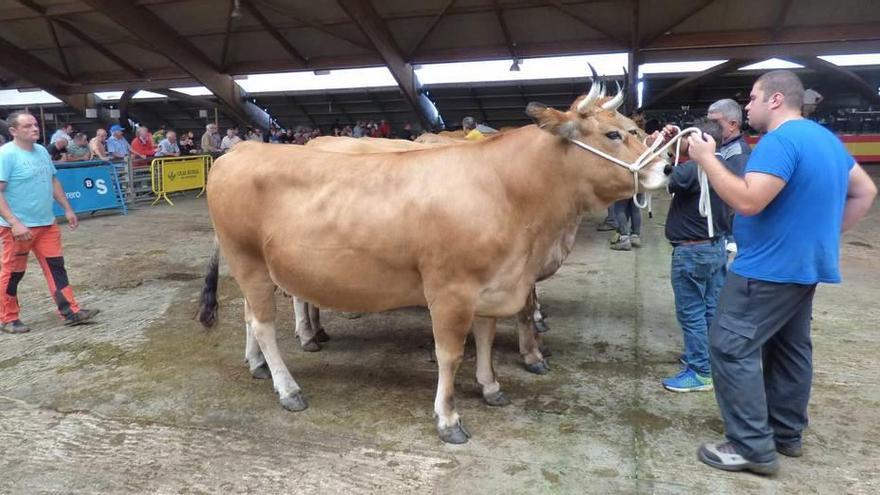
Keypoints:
pixel 208 302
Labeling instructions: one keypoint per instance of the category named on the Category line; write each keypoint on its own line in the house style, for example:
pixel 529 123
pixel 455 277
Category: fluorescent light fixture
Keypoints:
pixel 116 95
pixel 575 66
pixel 772 64
pixel 678 67
pixel 194 91
pixel 322 72
pixel 372 77
pixel 13 97
pixel 853 59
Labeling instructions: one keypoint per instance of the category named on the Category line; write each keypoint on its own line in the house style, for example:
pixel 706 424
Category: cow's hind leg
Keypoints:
pixel 252 354
pixel 259 291
pixel 315 320
pixel 529 347
pixel 484 335
pixel 306 332
pixel 451 319
pixel 538 316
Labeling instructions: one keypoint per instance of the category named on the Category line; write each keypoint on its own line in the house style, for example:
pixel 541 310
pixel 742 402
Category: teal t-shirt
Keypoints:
pixel 28 177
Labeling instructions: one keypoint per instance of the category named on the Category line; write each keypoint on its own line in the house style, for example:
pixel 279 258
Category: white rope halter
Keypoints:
pixel 654 152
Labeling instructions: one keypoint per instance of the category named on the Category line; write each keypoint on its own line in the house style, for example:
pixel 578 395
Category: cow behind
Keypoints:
pixel 463 229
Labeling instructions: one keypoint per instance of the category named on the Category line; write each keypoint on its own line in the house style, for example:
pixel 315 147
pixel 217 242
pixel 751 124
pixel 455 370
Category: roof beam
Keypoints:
pixel 30 68
pixel 51 20
pixel 292 99
pixel 297 57
pixel 586 21
pixel 678 21
pixel 698 78
pixel 758 37
pixel 116 59
pixel 867 90
pixel 224 54
pixel 433 25
pixel 365 16
pixel 147 26
pixel 476 98
pixel 499 14
pixel 61 55
pixel 290 13
pixel 780 18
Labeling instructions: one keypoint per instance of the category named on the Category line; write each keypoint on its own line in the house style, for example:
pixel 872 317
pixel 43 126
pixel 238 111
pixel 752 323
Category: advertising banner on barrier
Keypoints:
pixel 183 175
pixel 89 188
pixel 176 174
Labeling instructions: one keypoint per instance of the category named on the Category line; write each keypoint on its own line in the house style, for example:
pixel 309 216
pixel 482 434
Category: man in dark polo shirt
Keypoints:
pixel 698 267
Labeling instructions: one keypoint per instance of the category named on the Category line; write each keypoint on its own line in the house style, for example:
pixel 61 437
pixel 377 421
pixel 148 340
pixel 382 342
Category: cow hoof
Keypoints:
pixel 312 346
pixel 321 335
pixel 539 368
pixel 294 402
pixel 455 434
pixel 545 351
pixel 261 372
pixel 498 399
pixel 541 326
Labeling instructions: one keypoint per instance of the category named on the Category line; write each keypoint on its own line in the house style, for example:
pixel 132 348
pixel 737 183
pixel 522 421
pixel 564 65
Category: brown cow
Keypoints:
pixel 464 230
pixel 530 320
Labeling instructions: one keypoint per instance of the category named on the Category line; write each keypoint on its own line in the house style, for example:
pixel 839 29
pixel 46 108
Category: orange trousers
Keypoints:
pixel 46 245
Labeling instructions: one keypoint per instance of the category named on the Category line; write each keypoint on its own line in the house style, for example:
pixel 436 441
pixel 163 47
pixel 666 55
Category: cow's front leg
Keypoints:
pixel 451 319
pixel 484 336
pixel 538 317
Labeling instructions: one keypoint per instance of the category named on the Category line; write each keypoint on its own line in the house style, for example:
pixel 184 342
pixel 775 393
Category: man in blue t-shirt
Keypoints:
pixel 28 188
pixel 801 189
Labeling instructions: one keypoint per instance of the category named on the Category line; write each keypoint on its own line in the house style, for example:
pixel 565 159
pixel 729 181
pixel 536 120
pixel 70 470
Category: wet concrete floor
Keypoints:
pixel 145 401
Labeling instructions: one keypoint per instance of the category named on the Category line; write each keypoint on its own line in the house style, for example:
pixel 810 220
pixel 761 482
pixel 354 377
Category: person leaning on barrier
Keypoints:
pixel 78 150
pixel 28 186
pixel 142 145
pixel 168 146
pixel 117 146
pixel 801 189
pixel 98 146
pixel 58 151
pixel 211 139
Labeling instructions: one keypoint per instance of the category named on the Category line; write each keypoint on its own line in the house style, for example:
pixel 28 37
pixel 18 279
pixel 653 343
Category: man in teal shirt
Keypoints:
pixel 27 223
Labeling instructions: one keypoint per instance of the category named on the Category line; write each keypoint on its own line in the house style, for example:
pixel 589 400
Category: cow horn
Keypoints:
pixel 615 102
pixel 585 103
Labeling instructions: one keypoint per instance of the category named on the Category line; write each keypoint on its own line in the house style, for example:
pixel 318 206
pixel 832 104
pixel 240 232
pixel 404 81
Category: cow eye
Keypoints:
pixel 613 135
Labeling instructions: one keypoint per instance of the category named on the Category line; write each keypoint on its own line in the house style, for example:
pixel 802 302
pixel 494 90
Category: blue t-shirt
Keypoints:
pixel 796 239
pixel 28 177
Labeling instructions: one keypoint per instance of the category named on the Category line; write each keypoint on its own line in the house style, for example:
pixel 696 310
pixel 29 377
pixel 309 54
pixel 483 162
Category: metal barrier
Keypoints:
pixel 90 186
pixel 177 174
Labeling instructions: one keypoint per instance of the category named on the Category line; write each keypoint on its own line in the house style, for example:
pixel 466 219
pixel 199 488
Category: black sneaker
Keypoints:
pixel 15 326
pixel 724 456
pixel 81 317
pixel 790 450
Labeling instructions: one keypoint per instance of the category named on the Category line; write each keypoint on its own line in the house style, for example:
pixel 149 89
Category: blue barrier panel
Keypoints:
pixel 90 186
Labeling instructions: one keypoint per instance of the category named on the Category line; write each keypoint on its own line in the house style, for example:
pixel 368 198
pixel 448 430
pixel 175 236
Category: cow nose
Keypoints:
pixel 667 170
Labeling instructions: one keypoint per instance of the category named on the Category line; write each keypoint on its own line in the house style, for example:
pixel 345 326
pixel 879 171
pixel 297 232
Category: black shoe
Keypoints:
pixel 790 450
pixel 81 317
pixel 15 326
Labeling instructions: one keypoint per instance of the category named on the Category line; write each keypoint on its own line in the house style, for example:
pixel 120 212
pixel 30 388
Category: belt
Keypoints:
pixel 696 241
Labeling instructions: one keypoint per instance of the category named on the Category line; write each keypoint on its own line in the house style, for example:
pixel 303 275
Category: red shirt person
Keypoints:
pixel 142 145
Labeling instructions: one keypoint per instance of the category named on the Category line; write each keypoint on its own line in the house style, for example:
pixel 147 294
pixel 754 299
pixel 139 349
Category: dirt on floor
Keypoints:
pixel 146 401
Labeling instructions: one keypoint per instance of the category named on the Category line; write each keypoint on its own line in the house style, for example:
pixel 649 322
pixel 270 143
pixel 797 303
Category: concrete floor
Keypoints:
pixel 146 401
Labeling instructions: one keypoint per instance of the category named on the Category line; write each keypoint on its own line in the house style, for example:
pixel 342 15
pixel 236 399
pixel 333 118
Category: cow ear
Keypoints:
pixel 552 120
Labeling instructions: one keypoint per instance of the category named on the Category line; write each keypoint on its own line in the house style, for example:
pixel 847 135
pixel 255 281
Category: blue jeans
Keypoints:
pixel 697 275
